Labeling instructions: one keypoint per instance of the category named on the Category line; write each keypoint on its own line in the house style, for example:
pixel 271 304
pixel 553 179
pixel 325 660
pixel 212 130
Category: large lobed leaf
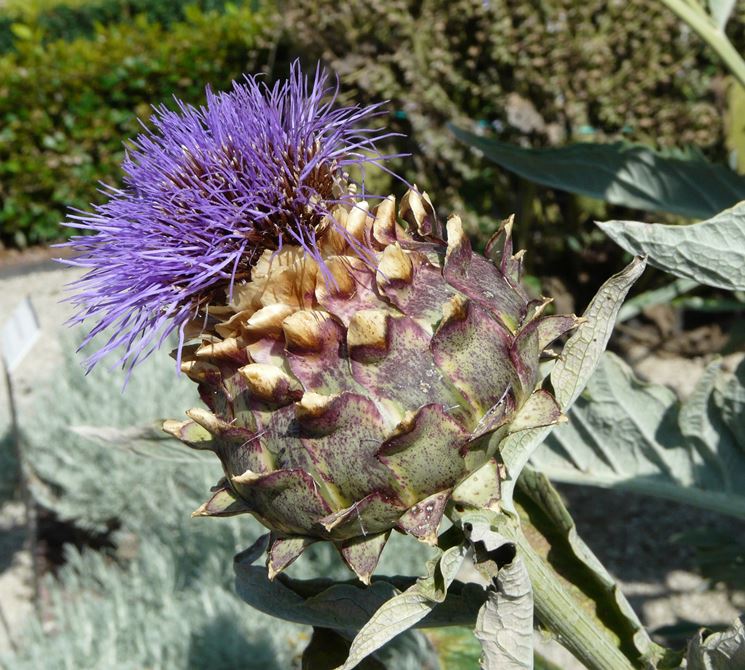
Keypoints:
pixel 621 174
pixel 634 436
pixel 496 596
pixel 711 252
pixel 718 651
pixel 339 605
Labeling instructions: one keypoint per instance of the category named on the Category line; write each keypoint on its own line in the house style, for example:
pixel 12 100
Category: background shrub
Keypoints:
pixel 540 73
pixel 66 107
pixel 535 73
pixel 68 20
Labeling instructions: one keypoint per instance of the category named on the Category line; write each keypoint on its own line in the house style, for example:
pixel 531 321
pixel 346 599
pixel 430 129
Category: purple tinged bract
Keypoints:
pixel 206 191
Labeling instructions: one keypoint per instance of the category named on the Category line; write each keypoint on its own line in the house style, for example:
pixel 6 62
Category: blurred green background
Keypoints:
pixel 76 75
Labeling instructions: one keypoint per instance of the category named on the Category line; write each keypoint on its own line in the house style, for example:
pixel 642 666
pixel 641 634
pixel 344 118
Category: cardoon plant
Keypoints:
pixel 363 370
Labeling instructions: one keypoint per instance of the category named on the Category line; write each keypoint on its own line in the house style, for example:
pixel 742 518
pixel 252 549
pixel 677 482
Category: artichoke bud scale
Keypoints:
pixel 348 403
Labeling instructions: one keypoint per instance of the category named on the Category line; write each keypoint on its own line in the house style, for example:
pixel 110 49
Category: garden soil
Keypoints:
pixel 634 536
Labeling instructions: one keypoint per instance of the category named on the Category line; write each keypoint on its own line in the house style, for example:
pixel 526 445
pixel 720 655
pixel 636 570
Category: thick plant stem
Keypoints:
pixel 586 638
pixel 697 18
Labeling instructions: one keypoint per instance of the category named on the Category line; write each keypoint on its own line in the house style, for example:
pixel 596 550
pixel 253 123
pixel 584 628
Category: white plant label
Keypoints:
pixel 19 334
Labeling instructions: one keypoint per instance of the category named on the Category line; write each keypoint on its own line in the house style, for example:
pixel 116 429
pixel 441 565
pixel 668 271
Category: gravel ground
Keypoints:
pixel 632 535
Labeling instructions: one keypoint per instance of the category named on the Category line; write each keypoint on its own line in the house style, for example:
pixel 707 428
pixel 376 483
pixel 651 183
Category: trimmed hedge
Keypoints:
pixel 63 21
pixel 65 107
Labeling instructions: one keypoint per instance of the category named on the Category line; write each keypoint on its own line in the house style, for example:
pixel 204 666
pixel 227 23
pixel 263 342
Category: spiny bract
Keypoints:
pixel 344 409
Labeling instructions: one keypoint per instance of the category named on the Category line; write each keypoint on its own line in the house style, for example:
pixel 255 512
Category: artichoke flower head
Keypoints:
pixel 359 364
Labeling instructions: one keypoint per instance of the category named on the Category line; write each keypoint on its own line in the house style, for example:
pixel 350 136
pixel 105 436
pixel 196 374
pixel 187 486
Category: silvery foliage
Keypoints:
pixel 164 598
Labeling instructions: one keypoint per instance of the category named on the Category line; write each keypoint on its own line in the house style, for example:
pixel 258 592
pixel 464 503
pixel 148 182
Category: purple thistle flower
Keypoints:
pixel 206 192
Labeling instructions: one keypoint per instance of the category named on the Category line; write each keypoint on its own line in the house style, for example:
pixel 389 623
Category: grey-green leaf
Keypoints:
pixel 720 11
pixel 573 594
pixel 711 252
pixel 348 605
pixel 323 603
pixel 629 435
pixel 621 174
pixel 718 651
pixel 406 609
pixel 575 367
pixel 582 351
pixel 505 622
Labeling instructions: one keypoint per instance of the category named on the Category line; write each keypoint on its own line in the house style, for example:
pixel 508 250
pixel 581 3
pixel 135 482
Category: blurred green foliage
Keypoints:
pixel 69 20
pixel 66 107
pixel 533 73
